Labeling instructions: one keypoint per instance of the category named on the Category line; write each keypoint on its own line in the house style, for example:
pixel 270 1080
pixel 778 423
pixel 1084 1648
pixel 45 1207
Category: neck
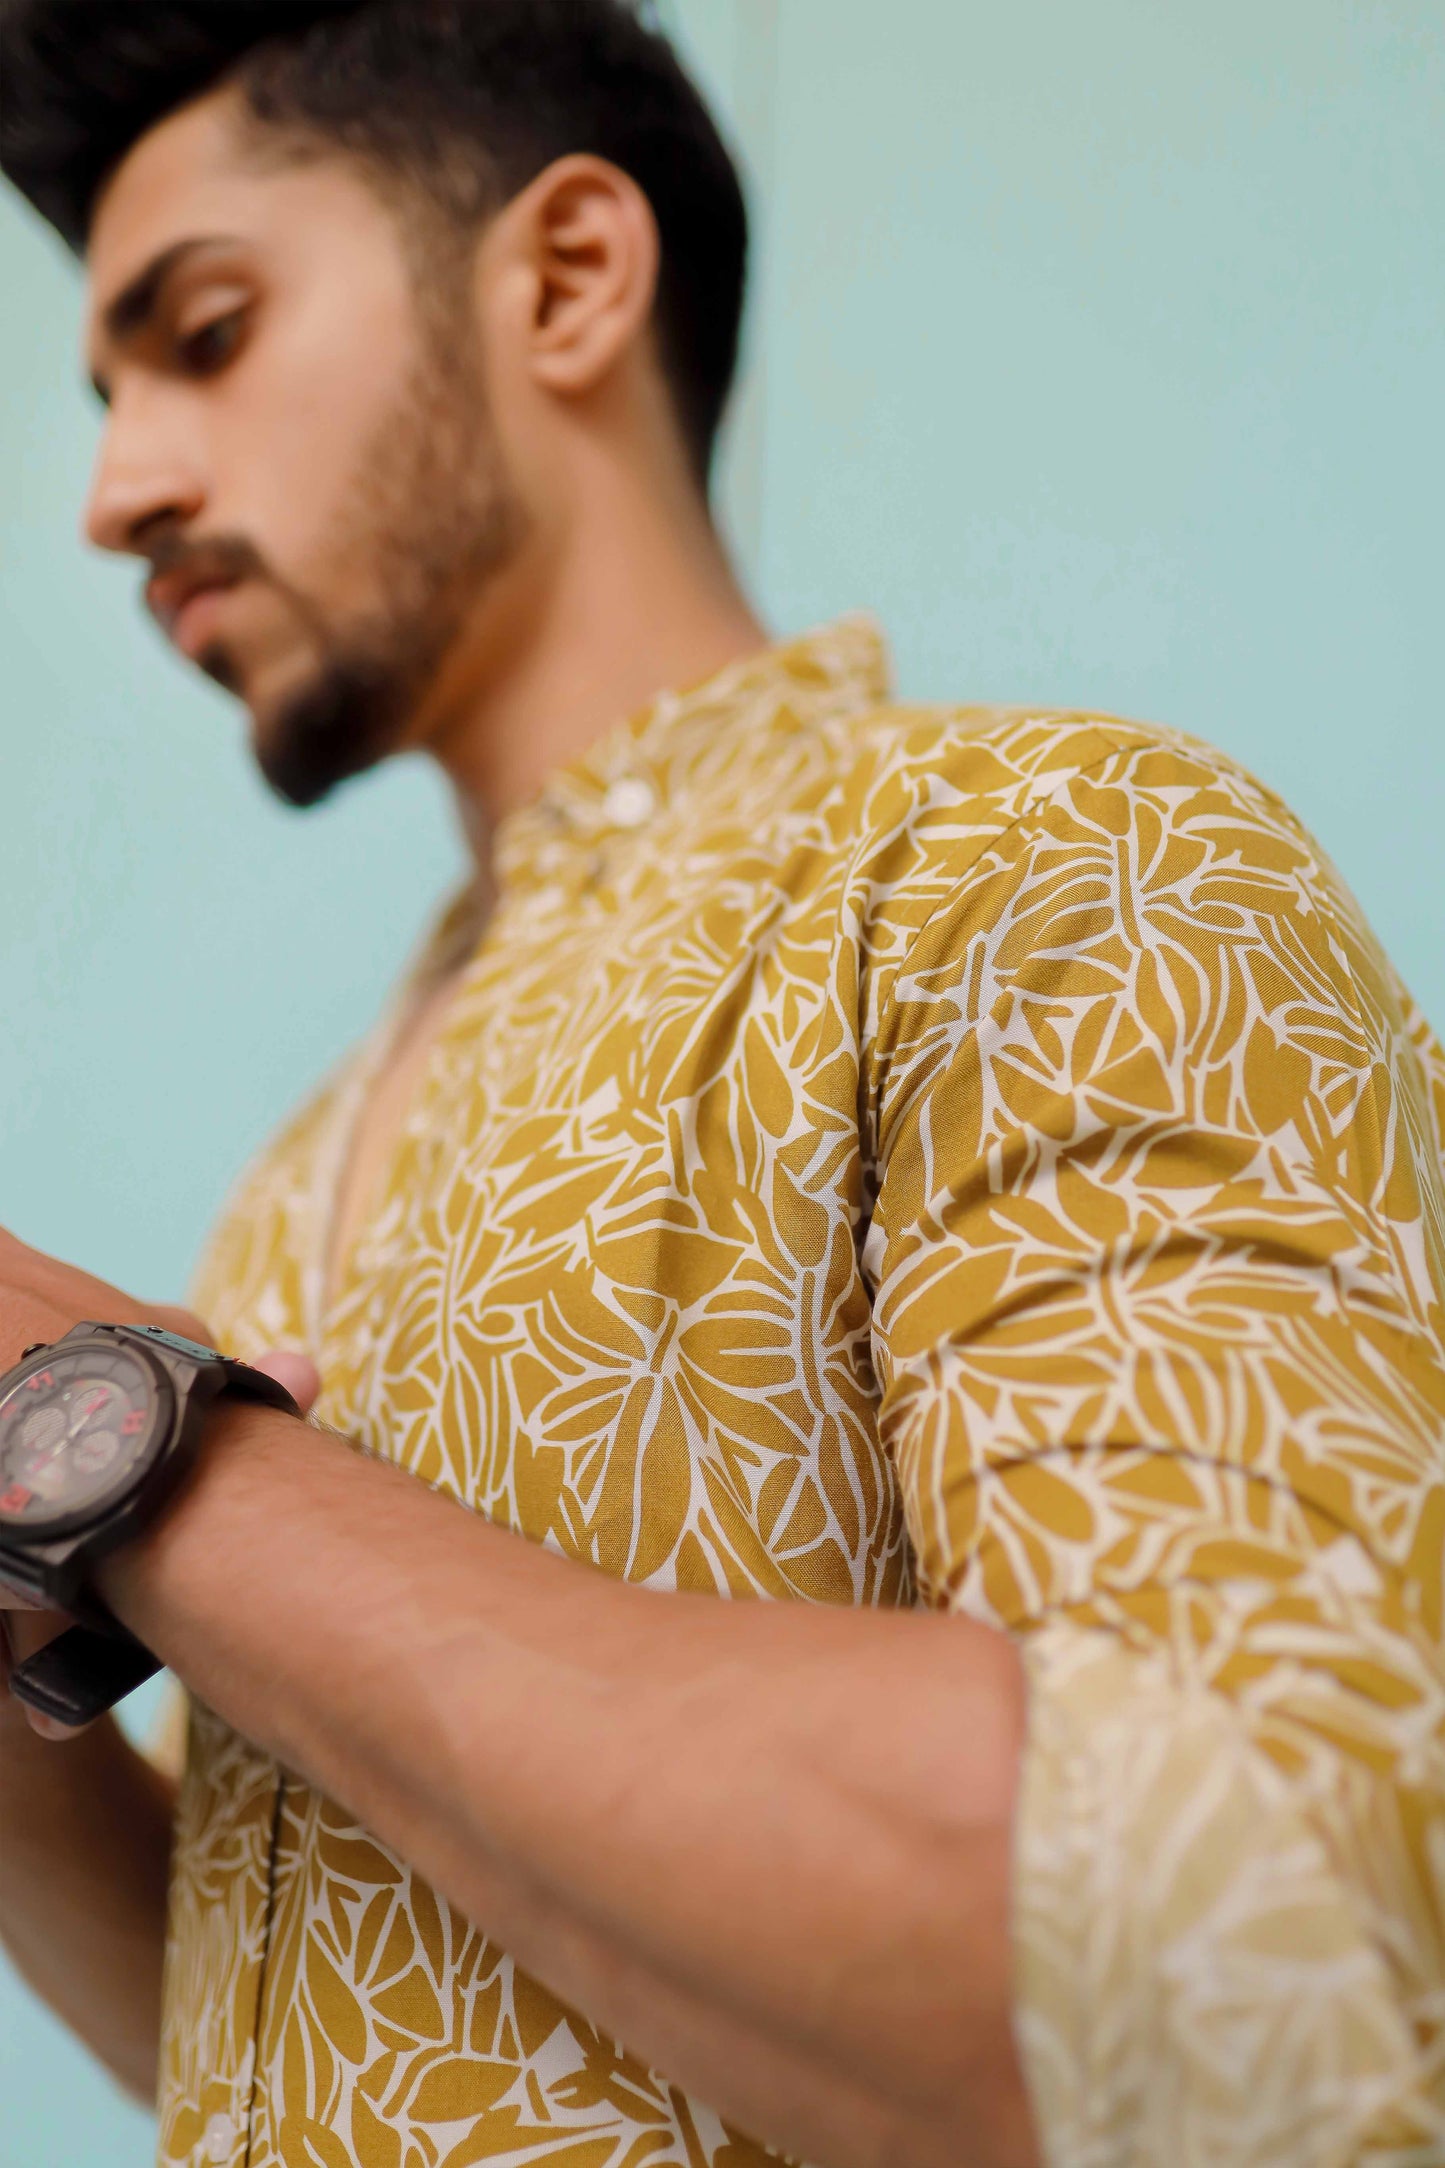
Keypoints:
pixel 639 600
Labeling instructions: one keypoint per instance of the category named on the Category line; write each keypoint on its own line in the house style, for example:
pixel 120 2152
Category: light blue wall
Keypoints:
pixel 1108 344
pixel 1100 350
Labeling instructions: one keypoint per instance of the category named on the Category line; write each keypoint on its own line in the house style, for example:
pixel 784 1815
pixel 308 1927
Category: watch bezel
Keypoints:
pixel 37 1535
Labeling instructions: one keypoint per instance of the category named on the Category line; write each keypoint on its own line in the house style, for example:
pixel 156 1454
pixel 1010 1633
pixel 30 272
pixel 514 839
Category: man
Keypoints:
pixel 967 1178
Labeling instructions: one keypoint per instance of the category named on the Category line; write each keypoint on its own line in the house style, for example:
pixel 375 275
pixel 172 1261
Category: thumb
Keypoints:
pixel 298 1373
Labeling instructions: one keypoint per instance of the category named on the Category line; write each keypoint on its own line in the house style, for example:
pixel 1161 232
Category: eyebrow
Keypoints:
pixel 135 305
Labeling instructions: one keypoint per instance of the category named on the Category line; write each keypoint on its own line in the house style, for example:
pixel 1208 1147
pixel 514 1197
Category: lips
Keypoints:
pixel 184 603
pixel 197 622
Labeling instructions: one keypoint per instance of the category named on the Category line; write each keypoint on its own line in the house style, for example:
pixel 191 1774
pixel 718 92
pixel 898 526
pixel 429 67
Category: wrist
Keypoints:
pixel 140 1582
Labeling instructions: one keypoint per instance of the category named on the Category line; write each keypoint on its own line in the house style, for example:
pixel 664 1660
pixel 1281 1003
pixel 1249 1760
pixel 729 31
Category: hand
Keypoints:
pixel 25 1627
pixel 298 1373
pixel 41 1299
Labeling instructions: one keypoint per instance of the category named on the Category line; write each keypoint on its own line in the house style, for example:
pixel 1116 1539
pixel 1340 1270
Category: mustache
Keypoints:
pixel 223 559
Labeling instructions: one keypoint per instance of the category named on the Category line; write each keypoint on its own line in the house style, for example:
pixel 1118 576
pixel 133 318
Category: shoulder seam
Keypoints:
pixel 1010 828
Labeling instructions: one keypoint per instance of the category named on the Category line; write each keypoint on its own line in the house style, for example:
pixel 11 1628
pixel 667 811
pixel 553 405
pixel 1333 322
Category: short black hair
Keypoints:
pixel 467 98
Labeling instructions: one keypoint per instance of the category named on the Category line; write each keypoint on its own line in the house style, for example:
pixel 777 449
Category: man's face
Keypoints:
pixel 300 451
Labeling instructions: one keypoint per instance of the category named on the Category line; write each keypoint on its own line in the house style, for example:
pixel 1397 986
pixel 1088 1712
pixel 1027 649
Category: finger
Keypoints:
pixel 49 1727
pixel 297 1373
pixel 21 1638
pixel 53 1278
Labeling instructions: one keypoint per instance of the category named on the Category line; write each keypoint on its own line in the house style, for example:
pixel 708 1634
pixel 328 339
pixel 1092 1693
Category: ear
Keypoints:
pixel 589 238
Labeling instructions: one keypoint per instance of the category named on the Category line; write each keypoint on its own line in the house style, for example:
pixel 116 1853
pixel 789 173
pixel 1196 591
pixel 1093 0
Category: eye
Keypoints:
pixel 212 345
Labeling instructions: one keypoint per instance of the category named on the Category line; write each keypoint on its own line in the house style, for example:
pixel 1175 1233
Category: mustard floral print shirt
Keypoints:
pixel 880 1156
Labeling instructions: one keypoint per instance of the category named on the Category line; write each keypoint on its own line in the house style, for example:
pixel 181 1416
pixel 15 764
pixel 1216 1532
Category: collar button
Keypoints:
pixel 630 803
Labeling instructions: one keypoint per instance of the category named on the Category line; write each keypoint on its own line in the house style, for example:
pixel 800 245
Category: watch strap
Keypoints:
pixel 231 1377
pixel 81 1674
pixel 85 1671
pixel 244 1383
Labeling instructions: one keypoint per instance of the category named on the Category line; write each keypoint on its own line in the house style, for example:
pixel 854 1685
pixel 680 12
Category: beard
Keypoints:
pixel 428 524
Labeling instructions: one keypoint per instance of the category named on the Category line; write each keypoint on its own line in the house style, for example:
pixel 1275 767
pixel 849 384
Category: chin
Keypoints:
pixel 329 730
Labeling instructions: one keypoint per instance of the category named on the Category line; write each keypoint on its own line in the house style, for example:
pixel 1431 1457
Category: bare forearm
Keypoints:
pixel 768 1849
pixel 85 1833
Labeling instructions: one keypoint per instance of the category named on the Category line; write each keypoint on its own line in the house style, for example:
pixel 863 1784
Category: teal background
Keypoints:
pixel 1098 348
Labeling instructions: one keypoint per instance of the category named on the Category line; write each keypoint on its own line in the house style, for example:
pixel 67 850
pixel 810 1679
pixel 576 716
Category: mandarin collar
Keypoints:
pixel 669 752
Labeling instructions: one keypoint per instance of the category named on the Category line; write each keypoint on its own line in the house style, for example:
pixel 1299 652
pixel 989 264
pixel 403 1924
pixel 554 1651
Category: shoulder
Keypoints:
pixel 983 771
pixel 1059 848
pixel 972 817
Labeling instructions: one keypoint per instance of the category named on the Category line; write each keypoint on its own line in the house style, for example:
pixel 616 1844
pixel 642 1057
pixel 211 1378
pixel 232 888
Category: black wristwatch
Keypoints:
pixel 95 1433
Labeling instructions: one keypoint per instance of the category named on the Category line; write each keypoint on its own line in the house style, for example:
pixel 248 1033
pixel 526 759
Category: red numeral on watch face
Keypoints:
pixel 16 1499
pixel 134 1423
pixel 42 1384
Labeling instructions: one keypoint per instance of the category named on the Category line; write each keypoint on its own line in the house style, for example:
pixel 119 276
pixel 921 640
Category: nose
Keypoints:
pixel 139 482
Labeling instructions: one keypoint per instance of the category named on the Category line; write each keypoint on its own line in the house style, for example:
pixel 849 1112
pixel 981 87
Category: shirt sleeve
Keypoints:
pixel 1156 1255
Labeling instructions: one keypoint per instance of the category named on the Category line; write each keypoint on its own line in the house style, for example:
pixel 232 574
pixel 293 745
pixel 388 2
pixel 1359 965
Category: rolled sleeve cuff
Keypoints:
pixel 1217 1959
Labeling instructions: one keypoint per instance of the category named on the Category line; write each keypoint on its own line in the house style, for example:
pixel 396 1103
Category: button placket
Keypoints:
pixel 219 2142
pixel 630 802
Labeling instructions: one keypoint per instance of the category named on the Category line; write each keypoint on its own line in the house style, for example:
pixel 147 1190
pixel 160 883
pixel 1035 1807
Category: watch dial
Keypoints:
pixel 73 1432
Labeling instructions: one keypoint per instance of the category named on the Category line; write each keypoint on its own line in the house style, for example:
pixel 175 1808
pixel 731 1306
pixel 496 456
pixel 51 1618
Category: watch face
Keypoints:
pixel 75 1431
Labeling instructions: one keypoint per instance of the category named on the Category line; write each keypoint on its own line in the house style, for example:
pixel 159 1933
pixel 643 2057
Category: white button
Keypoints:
pixel 630 803
pixel 220 2140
